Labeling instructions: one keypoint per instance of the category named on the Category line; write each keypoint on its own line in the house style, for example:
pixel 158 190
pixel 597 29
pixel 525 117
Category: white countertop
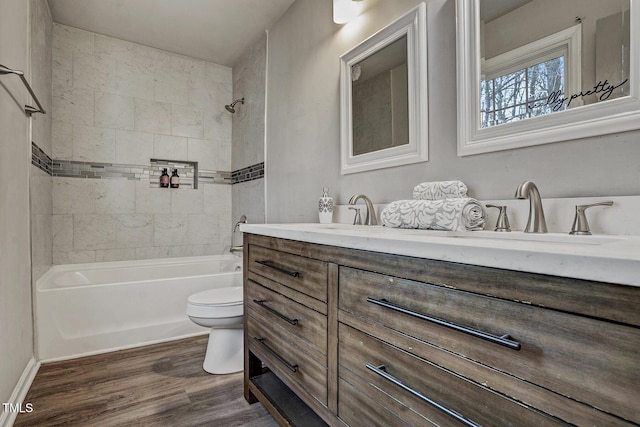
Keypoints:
pixel 614 259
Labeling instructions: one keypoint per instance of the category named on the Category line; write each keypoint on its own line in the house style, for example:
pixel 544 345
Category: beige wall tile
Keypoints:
pixel 94 144
pixel 115 196
pixel 152 116
pixel 134 148
pixel 91 232
pixel 170 229
pixel 73 195
pixel 114 111
pixel 170 147
pixel 187 121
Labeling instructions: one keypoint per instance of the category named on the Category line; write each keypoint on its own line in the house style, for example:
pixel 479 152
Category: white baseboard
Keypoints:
pixel 20 392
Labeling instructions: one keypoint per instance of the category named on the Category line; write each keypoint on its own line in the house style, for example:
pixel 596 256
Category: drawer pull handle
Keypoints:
pixel 262 304
pixel 292 368
pixel 380 370
pixel 281 270
pixel 505 340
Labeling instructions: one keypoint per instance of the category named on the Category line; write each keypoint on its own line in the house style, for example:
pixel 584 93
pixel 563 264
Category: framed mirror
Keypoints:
pixel 383 97
pixel 532 73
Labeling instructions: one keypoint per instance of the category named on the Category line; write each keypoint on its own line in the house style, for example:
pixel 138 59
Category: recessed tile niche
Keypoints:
pixel 187 171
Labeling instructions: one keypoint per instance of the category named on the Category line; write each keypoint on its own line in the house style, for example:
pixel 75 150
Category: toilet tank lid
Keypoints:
pixel 220 296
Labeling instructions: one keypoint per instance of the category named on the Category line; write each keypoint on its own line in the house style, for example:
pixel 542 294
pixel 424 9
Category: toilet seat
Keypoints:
pixel 216 303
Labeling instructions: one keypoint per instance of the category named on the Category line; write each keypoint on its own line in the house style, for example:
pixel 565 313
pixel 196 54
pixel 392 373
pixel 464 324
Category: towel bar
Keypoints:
pixel 28 109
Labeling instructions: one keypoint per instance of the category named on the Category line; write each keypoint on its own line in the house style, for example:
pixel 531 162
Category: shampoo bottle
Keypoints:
pixel 175 179
pixel 164 179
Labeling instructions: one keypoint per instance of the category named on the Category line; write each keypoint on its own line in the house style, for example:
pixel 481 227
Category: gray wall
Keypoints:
pixel 303 119
pixel 16 336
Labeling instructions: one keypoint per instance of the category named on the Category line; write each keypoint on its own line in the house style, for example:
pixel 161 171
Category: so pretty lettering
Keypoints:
pixel 557 98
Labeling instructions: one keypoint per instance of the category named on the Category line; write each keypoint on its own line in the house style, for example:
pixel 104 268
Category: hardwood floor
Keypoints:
pixel 157 385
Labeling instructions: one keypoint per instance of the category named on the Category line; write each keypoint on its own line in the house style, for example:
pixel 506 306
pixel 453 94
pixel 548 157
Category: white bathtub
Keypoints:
pixel 83 309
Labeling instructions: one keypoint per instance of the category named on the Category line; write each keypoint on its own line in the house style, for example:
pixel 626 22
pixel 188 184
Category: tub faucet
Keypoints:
pixel 370 218
pixel 243 220
pixel 536 222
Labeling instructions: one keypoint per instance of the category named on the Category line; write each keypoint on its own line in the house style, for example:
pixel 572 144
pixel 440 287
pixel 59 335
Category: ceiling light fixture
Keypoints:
pixel 345 10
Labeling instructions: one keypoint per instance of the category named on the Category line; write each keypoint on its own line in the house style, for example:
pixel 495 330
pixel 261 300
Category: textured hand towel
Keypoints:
pixel 438 190
pixel 461 214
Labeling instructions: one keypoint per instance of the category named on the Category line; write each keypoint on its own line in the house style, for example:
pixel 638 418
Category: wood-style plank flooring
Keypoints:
pixel 157 385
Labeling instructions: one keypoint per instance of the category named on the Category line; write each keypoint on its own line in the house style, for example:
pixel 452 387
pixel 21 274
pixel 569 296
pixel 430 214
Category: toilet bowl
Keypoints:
pixel 221 310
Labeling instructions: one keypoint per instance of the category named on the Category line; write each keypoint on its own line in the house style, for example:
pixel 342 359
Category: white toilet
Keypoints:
pixel 221 310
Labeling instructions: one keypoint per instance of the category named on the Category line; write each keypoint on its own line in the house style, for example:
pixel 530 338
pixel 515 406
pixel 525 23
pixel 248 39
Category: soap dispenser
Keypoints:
pixel 325 207
pixel 175 179
pixel 164 179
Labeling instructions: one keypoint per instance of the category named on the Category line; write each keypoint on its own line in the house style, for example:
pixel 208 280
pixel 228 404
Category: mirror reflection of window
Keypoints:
pixel 379 87
pixel 540 60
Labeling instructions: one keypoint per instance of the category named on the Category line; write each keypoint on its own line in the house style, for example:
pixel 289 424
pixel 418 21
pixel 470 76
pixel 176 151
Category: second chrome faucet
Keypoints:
pixel 370 217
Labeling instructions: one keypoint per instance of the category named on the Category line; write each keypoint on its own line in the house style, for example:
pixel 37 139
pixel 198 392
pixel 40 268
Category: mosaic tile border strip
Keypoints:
pixel 40 159
pixel 96 170
pixel 249 173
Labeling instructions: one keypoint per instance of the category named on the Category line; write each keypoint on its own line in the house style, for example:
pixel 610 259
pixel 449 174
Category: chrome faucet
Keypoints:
pixel 243 220
pixel 370 218
pixel 536 222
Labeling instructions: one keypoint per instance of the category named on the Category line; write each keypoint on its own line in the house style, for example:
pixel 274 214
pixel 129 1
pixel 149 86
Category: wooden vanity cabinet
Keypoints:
pixel 410 341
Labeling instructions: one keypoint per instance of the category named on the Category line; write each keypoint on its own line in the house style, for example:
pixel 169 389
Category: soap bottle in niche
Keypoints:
pixel 175 179
pixel 164 179
pixel 325 207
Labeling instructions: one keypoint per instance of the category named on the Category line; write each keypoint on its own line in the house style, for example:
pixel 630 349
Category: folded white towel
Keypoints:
pixel 460 214
pixel 437 190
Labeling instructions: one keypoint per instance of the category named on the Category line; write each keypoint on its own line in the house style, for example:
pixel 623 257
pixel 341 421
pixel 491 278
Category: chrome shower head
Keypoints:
pixel 230 108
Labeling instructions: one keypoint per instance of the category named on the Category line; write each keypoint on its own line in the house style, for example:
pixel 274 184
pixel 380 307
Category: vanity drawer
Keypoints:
pixel 288 361
pixel 589 360
pixel 410 388
pixel 290 316
pixel 305 275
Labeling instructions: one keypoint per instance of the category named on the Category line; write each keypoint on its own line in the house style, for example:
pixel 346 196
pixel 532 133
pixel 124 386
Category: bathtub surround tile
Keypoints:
pixel 217 123
pixel 114 111
pixel 152 200
pixel 188 201
pixel 74 257
pixel 187 121
pixel 170 229
pixel 170 147
pixel 202 228
pixel 115 196
pixel 73 196
pixel 217 199
pixel 108 255
pixel 135 148
pixel 94 72
pixel 152 116
pixel 134 230
pixel 171 84
pixel 62 70
pixel 72 39
pixel 116 106
pixel 94 144
pixel 153 252
pixel 74 106
pixel 62 232
pixel 91 232
pixel 205 151
pixel 61 140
